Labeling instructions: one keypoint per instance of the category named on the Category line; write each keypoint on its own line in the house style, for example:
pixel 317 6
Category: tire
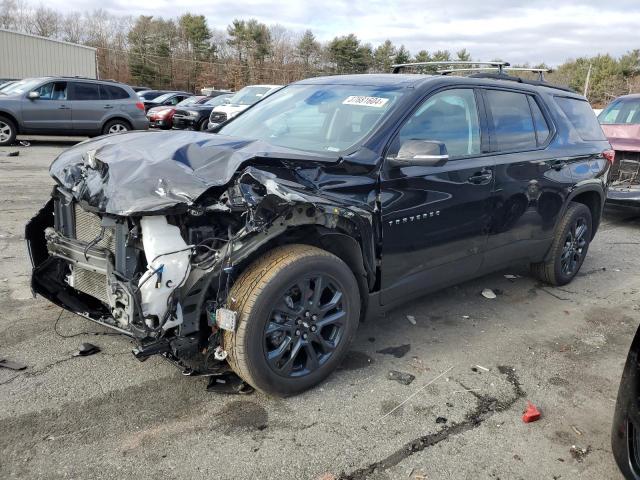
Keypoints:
pixel 569 247
pixel 116 126
pixel 266 293
pixel 202 126
pixel 8 131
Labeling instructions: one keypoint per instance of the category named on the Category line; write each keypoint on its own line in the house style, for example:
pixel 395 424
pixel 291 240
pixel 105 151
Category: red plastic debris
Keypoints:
pixel 531 414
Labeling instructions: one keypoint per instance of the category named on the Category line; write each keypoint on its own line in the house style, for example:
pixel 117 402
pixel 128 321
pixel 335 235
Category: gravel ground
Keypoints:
pixel 110 416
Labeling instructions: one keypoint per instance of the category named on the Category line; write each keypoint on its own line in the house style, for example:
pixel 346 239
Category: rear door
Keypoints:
pixel 531 182
pixel 435 218
pixel 49 113
pixel 87 109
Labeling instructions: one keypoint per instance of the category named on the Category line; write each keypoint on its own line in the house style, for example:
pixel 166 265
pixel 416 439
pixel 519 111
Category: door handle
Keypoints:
pixel 108 106
pixel 558 164
pixel 63 107
pixel 481 178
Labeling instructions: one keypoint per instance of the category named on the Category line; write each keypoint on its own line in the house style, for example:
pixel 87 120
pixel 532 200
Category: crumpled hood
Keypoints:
pixel 146 172
pixel 623 137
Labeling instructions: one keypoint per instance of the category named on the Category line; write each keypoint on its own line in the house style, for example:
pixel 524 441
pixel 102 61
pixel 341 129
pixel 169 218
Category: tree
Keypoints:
pixel 402 56
pixel 46 22
pixel 423 56
pixel 463 55
pixel 348 55
pixel 196 34
pixel 384 57
pixel 308 49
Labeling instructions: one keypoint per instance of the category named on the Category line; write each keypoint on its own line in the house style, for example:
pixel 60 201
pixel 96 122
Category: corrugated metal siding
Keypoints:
pixel 23 56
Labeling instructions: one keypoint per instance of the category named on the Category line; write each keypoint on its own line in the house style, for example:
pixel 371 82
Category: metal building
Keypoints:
pixel 23 55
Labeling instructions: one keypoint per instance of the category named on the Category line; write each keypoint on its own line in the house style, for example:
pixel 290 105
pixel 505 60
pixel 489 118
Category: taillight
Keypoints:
pixel 609 155
pixel 140 106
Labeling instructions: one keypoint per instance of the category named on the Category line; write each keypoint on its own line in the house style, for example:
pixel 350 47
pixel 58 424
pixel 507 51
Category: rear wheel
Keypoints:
pixel 569 247
pixel 202 126
pixel 8 131
pixel 116 126
pixel 298 310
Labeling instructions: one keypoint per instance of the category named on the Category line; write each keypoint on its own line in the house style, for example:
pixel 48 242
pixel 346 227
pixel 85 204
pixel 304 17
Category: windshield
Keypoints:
pixel 23 86
pixel 163 97
pixel 316 118
pixel 219 100
pixel 248 95
pixel 189 101
pixel 621 111
pixel 150 95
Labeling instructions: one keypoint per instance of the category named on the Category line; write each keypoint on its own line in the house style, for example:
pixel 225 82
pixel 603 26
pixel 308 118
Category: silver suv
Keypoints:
pixel 68 106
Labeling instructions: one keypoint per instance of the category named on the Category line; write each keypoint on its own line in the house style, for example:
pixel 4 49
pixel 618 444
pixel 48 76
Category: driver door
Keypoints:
pixel 435 219
pixel 50 112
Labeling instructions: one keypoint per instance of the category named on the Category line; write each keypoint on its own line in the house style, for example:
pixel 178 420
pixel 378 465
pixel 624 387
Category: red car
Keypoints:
pixel 621 124
pixel 162 116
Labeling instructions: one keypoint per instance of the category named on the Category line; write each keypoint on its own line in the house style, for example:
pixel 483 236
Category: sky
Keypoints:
pixel 549 31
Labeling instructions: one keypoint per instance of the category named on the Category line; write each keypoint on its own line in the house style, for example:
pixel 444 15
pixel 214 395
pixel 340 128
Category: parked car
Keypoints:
pixel 625 434
pixel 261 247
pixel 196 117
pixel 162 117
pixel 239 102
pixel 620 121
pixel 169 99
pixel 68 106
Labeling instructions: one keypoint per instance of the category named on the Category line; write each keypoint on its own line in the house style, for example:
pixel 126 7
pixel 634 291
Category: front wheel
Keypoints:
pixel 8 132
pixel 569 247
pixel 298 310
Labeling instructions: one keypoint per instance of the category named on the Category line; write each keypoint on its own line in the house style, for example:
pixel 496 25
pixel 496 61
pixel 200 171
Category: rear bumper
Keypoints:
pixel 140 123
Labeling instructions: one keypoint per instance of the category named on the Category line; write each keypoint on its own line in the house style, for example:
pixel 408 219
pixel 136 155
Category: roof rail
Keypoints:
pixel 397 68
pixel 539 71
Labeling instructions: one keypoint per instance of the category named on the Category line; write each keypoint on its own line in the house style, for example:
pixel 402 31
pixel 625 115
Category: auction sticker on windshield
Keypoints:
pixel 377 102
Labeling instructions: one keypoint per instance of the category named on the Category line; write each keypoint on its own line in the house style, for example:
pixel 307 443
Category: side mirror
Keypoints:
pixel 33 95
pixel 424 153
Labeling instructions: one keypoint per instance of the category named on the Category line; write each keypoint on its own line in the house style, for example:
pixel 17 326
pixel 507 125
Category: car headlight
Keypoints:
pixel 192 113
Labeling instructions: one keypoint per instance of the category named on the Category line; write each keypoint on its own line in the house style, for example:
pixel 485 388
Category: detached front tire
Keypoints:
pixel 569 247
pixel 298 310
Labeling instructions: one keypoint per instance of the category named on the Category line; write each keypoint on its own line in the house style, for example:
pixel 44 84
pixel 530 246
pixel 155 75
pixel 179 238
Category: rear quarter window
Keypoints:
pixel 111 92
pixel 582 117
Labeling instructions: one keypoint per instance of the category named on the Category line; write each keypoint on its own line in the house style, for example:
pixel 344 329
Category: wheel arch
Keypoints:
pixel 12 117
pixel 116 117
pixel 593 197
pixel 344 239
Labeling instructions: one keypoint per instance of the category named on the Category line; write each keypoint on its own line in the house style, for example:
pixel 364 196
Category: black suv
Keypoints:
pixel 261 247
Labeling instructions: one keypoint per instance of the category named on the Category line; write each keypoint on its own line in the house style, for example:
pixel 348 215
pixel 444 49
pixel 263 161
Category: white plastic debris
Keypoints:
pixel 412 319
pixel 466 317
pixel 510 277
pixel 488 293
pixel 482 368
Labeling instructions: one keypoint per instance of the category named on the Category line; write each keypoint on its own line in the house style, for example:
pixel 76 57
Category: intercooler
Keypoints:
pixel 88 228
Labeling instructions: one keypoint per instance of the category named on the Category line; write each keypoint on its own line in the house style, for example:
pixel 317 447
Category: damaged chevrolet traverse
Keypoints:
pixel 260 248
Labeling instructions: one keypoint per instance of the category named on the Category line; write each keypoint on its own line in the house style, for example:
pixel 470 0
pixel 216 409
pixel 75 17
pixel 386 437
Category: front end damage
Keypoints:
pixel 160 272
pixel 624 188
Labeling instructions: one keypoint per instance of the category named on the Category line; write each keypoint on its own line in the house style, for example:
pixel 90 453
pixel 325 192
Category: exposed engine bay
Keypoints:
pixel 625 172
pixel 107 252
